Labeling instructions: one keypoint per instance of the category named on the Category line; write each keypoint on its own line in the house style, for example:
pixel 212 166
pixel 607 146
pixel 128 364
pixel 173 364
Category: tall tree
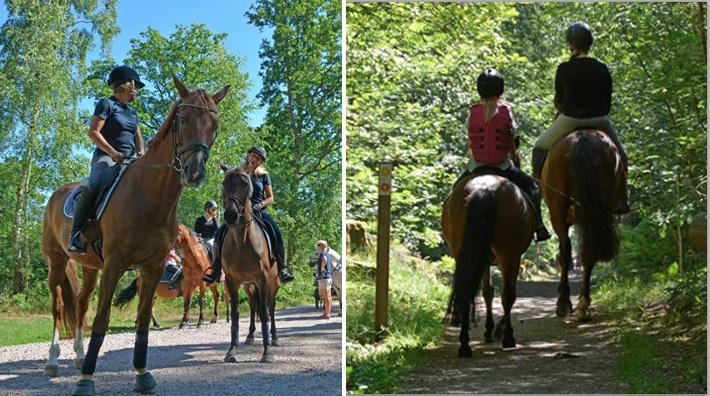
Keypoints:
pixel 301 70
pixel 42 65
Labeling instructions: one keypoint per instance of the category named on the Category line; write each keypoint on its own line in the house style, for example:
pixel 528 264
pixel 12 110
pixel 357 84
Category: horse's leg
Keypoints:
pixel 227 301
pixel 253 304
pixel 109 280
pixel 510 267
pixel 272 309
pixel 585 299
pixel 264 304
pixel 90 276
pixel 215 298
pixel 186 300
pixel 488 297
pixel 234 303
pixel 201 303
pixel 150 275
pixel 564 304
pixel 464 348
pixel 62 293
pixel 152 313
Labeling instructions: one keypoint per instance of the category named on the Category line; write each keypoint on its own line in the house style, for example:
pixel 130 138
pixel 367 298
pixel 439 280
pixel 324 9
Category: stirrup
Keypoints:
pixel 285 276
pixel 211 277
pixel 76 245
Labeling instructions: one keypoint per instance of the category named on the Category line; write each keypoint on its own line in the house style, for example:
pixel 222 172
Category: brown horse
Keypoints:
pixel 195 261
pixel 582 181
pixel 137 228
pixel 486 220
pixel 245 260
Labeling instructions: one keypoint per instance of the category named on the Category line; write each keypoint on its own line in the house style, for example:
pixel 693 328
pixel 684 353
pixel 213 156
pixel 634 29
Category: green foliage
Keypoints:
pixel 417 300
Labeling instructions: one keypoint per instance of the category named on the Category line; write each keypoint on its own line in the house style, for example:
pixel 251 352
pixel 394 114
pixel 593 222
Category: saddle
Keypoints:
pixel 110 178
pixel 209 249
pixel 487 170
pixel 268 234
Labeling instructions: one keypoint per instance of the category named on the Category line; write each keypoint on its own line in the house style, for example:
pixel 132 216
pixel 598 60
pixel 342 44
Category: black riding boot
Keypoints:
pixel 81 214
pixel 285 275
pixel 216 268
pixel 175 280
pixel 538 159
pixel 541 232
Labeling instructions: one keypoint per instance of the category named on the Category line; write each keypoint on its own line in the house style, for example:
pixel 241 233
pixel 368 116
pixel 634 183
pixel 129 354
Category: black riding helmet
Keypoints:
pixel 579 36
pixel 122 74
pixel 210 204
pixel 258 150
pixel 490 84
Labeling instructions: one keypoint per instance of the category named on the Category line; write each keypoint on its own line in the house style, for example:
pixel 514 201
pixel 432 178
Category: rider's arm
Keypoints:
pixel 139 141
pixel 269 194
pixel 97 123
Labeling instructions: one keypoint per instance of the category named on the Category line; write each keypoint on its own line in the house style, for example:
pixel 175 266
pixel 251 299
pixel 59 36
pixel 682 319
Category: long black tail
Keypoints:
pixel 475 253
pixel 126 295
pixel 594 182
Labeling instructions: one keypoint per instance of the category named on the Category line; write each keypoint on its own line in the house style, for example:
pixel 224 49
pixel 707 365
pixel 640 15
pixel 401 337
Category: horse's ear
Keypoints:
pixel 221 94
pixel 182 89
pixel 223 167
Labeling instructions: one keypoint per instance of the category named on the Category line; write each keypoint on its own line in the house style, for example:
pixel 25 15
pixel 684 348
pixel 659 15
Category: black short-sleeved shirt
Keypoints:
pixel 583 88
pixel 206 229
pixel 120 127
pixel 259 183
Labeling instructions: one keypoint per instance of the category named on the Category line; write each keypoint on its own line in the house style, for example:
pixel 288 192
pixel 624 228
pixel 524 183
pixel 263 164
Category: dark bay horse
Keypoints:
pixel 486 220
pixel 582 180
pixel 245 260
pixel 137 228
pixel 195 262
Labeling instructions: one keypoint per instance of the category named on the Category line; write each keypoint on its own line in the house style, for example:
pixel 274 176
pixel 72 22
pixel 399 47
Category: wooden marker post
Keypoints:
pixel 383 246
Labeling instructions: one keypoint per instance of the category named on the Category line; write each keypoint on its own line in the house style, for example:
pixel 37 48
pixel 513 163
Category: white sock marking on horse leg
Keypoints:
pixel 79 343
pixel 54 349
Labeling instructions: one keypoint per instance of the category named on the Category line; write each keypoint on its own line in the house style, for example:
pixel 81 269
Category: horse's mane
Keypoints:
pixel 201 99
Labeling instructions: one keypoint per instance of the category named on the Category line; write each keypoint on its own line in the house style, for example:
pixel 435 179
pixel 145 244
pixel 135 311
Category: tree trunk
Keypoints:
pixel 18 277
pixel 701 30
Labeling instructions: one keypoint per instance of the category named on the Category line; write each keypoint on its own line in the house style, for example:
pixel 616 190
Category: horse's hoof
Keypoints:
pixel 583 317
pixel 267 358
pixel 230 358
pixel 509 345
pixel 249 341
pixel 84 387
pixel 563 309
pixel 214 320
pixel 51 370
pixel 199 324
pixel 78 362
pixel 275 342
pixel 465 351
pixel 145 384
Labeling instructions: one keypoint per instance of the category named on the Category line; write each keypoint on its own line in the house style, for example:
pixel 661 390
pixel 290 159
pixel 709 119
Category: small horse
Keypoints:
pixel 582 181
pixel 245 259
pixel 195 261
pixel 137 228
pixel 486 220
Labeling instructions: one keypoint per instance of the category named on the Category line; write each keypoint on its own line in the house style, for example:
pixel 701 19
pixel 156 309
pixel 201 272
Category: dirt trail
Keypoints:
pixel 189 361
pixel 553 355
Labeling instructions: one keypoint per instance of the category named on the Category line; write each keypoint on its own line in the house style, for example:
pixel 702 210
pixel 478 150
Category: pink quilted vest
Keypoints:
pixel 491 141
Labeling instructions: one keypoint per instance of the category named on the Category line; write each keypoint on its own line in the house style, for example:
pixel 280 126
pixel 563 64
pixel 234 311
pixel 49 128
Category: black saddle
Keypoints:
pixel 209 249
pixel 268 233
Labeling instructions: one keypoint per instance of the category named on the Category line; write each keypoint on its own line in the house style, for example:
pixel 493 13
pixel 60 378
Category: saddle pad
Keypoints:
pixel 70 202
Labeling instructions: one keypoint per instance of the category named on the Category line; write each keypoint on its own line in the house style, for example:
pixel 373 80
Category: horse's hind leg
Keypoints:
pixel 272 309
pixel 88 285
pixel 564 304
pixel 201 303
pixel 464 348
pixel 508 295
pixel 585 299
pixel 215 298
pixel 63 290
pixel 186 300
pixel 488 297
pixel 253 304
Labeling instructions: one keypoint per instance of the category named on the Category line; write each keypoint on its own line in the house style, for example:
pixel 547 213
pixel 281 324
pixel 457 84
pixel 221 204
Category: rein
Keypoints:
pixel 557 191
pixel 176 163
pixel 241 205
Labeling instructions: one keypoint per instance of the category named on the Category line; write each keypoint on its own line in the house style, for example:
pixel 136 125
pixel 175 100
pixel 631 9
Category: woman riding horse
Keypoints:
pixel 262 196
pixel 583 88
pixel 115 131
pixel 491 135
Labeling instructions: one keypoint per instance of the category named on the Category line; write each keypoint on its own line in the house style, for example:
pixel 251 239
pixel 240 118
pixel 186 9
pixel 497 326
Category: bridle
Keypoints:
pixel 241 211
pixel 179 148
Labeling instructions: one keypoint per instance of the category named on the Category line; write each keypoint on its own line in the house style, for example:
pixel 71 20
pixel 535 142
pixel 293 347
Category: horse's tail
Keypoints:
pixel 69 299
pixel 593 188
pixel 126 295
pixel 475 253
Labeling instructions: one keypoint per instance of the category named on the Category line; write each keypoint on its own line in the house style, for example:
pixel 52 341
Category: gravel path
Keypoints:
pixel 189 361
pixel 553 355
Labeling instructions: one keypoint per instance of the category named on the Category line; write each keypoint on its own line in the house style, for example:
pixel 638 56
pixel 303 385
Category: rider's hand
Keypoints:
pixel 116 157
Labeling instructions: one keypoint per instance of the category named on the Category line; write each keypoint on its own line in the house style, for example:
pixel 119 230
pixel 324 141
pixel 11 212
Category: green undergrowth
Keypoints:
pixel 661 330
pixel 417 301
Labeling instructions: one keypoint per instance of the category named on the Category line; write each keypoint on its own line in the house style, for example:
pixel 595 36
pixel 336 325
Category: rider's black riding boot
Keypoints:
pixel 216 267
pixel 538 159
pixel 623 206
pixel 285 275
pixel 541 232
pixel 81 214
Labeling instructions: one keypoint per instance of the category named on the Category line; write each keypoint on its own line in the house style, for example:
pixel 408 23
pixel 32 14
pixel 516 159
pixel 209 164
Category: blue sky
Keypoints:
pixel 220 16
